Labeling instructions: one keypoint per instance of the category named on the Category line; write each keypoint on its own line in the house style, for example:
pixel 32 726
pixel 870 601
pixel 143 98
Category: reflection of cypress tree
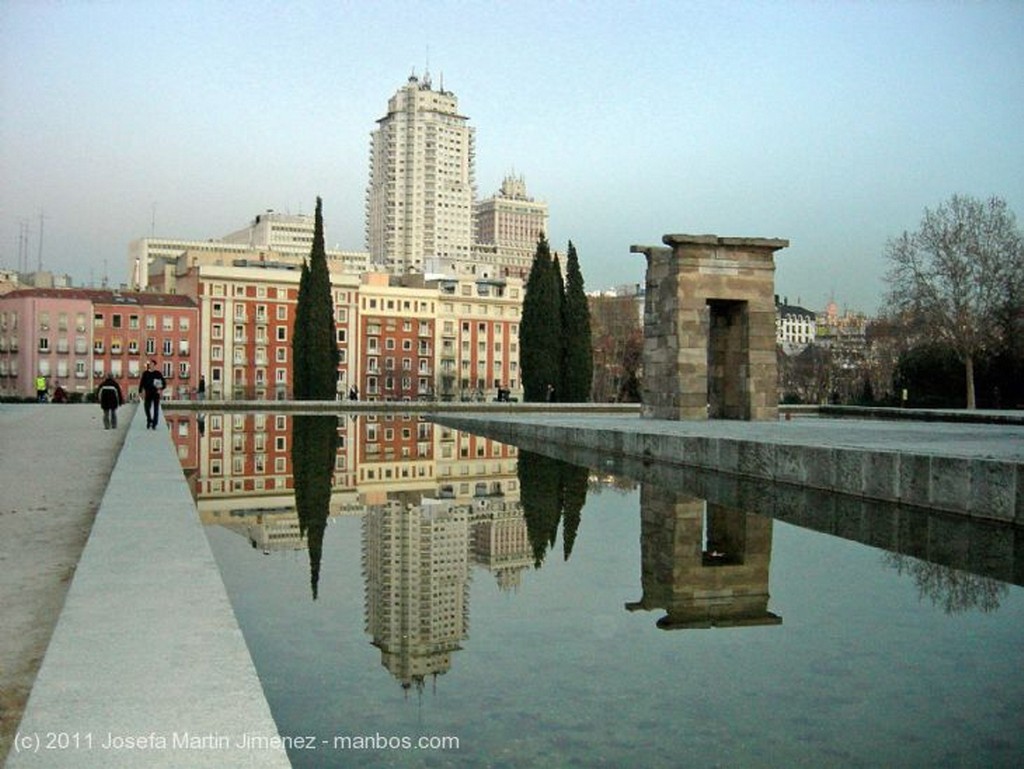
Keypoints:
pixel 538 484
pixel 574 496
pixel 550 490
pixel 314 448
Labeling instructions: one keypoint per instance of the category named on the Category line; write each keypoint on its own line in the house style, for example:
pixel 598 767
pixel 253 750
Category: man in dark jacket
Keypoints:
pixel 151 386
pixel 110 397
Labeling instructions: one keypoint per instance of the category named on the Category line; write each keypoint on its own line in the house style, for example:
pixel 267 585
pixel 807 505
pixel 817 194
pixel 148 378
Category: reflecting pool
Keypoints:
pixel 398 581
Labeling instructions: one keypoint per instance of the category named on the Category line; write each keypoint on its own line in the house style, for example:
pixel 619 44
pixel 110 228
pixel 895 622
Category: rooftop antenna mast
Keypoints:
pixel 23 245
pixel 152 221
pixel 39 264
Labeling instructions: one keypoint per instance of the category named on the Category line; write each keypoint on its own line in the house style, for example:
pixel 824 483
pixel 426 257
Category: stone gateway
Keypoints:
pixel 709 328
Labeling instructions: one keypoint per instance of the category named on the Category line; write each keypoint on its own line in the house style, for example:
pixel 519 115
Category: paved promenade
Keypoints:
pixel 146 665
pixel 55 462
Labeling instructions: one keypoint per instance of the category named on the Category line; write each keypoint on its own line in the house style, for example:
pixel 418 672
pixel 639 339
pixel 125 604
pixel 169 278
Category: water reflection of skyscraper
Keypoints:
pixel 416 572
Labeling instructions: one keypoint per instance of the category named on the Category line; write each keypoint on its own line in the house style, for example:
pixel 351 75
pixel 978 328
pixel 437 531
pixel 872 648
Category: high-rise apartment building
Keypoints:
pixel 419 202
pixel 511 222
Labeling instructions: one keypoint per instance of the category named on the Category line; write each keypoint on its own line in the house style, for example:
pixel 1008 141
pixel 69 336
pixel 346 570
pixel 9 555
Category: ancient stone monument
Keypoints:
pixel 709 328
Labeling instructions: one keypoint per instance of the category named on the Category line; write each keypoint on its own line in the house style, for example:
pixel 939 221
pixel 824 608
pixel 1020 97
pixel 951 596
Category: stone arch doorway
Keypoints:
pixel 709 328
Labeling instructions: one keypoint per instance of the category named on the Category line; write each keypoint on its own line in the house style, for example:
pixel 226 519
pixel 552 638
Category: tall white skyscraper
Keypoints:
pixel 419 203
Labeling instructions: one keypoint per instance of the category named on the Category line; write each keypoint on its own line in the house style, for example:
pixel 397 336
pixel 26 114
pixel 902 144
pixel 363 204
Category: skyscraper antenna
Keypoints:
pixel 39 265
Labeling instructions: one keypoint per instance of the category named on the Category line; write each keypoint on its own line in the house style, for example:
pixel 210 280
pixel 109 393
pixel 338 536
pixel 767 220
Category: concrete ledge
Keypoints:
pixel 886 466
pixel 401 407
pixel 986 548
pixel 147 665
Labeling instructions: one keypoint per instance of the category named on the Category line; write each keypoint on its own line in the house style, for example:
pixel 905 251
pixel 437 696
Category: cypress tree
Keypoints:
pixel 578 356
pixel 540 327
pixel 314 342
pixel 556 339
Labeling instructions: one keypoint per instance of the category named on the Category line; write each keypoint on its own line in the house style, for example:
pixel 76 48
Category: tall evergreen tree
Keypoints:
pixel 577 353
pixel 314 342
pixel 540 349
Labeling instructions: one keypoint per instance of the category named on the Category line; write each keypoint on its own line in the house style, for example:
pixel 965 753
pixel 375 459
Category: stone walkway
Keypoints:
pixel 55 462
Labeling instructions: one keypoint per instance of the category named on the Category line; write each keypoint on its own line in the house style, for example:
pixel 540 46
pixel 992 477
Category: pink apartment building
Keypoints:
pixel 74 337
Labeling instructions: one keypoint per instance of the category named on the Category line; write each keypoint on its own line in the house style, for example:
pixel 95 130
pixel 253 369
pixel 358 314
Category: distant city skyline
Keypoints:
pixel 831 125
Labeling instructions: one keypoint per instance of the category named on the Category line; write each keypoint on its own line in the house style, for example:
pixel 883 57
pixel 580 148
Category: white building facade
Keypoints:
pixel 419 202
pixel 511 222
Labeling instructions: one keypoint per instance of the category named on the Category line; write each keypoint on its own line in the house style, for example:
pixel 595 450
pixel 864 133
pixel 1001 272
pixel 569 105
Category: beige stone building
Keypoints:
pixel 508 226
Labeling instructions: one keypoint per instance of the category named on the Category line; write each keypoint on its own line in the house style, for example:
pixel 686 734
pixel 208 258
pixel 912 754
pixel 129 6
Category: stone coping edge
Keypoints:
pixel 147 665
pixel 980 488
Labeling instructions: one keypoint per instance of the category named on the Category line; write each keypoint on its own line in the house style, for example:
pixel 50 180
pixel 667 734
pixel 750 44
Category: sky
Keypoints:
pixel 831 124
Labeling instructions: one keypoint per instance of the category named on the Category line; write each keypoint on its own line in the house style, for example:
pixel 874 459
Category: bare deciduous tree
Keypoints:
pixel 958 274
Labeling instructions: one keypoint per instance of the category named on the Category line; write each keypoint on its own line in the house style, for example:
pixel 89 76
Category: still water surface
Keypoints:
pixel 544 615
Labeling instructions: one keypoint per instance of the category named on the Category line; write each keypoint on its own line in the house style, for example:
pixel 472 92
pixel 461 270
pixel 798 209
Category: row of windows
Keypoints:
pixel 257 289
pixel 100 368
pixel 117 346
pixel 117 321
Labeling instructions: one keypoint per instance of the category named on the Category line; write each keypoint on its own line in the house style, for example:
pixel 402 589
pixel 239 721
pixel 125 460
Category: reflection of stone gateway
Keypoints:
pixel 709 328
pixel 706 565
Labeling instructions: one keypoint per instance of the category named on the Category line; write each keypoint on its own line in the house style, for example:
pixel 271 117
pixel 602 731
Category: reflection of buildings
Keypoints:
pixel 706 565
pixel 416 565
pixel 433 501
pixel 501 544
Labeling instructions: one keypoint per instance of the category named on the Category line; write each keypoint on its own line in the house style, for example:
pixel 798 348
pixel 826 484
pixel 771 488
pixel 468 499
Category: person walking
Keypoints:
pixel 110 397
pixel 41 388
pixel 151 387
pixel 201 391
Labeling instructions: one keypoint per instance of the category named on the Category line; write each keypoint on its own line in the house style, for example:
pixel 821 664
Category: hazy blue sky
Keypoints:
pixel 831 124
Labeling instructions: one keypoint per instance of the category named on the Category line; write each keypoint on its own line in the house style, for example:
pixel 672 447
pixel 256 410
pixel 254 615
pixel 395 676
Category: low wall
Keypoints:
pixel 147 665
pixel 983 488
